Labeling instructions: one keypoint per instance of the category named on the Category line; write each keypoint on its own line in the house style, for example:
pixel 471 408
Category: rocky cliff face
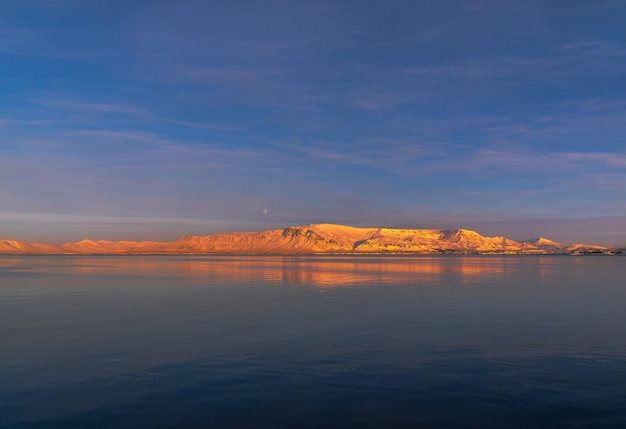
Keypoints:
pixel 316 238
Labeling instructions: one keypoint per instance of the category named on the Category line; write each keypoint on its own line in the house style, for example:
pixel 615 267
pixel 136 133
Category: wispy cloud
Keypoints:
pixel 122 108
pixel 594 48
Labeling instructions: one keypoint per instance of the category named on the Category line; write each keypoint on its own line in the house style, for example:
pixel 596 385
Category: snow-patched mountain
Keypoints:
pixel 315 238
pixel 8 247
pixel 104 246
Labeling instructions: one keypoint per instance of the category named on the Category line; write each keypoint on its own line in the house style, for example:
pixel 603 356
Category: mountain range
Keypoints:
pixel 315 238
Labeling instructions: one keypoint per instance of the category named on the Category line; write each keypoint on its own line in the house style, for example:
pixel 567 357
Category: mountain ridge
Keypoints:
pixel 315 238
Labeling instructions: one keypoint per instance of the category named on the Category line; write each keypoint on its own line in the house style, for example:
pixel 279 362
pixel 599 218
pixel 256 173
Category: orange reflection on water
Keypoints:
pixel 331 271
pixel 313 271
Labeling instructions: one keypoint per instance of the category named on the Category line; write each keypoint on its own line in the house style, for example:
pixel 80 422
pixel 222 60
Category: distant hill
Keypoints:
pixel 316 238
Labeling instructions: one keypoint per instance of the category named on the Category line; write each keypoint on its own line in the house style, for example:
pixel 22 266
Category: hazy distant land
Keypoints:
pixel 316 238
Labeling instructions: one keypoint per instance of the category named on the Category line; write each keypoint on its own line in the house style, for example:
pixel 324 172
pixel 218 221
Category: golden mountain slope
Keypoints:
pixel 316 238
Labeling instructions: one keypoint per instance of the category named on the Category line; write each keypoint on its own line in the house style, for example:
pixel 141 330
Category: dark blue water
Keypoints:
pixel 308 342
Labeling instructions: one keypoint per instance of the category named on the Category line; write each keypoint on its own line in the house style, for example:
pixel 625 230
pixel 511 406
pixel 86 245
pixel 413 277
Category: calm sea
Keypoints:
pixel 313 342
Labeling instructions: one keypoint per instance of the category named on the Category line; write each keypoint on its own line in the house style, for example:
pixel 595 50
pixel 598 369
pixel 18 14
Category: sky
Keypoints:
pixel 153 119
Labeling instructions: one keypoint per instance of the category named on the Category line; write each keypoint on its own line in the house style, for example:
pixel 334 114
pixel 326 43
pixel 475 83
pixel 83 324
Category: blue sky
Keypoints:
pixel 157 119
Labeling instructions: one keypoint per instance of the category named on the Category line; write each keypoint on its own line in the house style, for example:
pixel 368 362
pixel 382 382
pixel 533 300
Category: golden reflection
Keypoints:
pixel 311 271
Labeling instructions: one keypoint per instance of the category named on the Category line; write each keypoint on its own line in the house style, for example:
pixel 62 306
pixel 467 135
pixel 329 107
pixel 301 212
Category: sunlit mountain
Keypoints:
pixel 329 238
pixel 317 238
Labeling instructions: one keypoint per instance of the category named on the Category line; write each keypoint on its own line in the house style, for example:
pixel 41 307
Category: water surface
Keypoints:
pixel 312 341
